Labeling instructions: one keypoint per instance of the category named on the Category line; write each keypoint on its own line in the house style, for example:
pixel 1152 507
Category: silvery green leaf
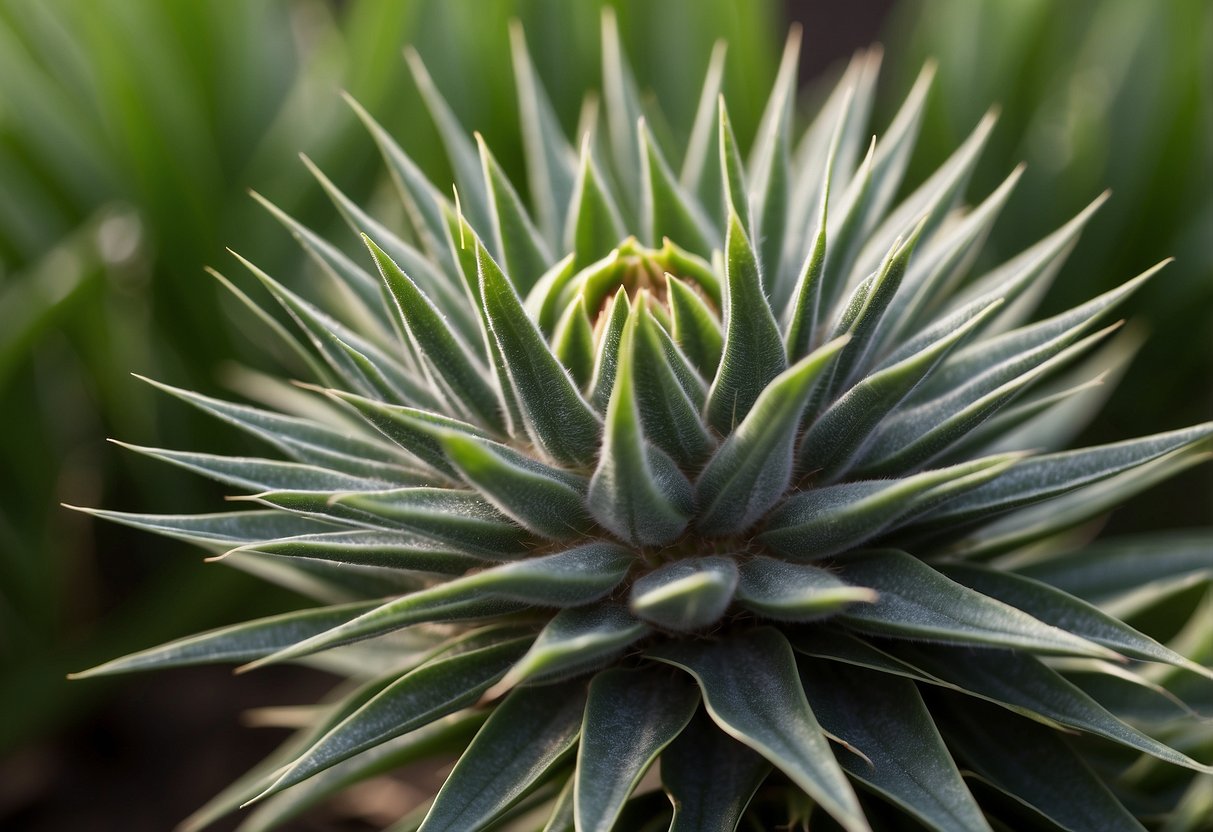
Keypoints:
pixel 236 643
pixel 1112 569
pixel 710 777
pixel 637 492
pixel 694 269
pixel 907 761
pixel 753 468
pixel 1036 767
pixel 838 434
pixel 795 592
pixel 1049 475
pixel 541 499
pixel 665 210
pixel 461 376
pixel 940 264
pixel 685 595
pixel 732 171
pixel 622 102
pixel 700 176
pixel 606 358
pixel 752 690
pixel 366 547
pixel 546 300
pixel 420 697
pixel 305 440
pixel 413 429
pixel 257 474
pixel 573 342
pixel 668 414
pixel 803 308
pixel 695 326
pixel 551 162
pixel 220 531
pixel 423 203
pixel 769 169
pixel 344 271
pixel 437 741
pixel 917 602
pixel 631 716
pixel 570 578
pixel 574 641
pixel 753 351
pixel 460 151
pixel 1024 684
pixel 522 249
pixel 437 285
pixel 554 413
pixel 593 227
pixel 1060 609
pixel 819 522
pixel 658 324
pixel 527 734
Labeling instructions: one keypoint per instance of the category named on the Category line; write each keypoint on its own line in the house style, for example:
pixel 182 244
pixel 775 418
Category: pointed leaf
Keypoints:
pixel 556 416
pixel 630 717
pixel 221 530
pixel 918 602
pixel 699 174
pixel 695 327
pixel 753 468
pixel 525 254
pixel 665 210
pixel 686 595
pixel 573 342
pixel 391 550
pixel 753 348
pixel 527 734
pixel 710 778
pixel 606 359
pixel 795 592
pixel 752 691
pixel 593 227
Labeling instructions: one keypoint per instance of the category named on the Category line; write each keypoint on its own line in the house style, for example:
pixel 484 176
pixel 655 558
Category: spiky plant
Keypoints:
pixel 732 468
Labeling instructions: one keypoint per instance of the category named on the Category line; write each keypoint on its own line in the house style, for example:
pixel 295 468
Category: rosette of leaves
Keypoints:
pixel 699 491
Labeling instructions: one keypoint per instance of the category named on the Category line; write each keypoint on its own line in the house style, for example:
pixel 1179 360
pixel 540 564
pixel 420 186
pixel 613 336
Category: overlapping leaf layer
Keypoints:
pixel 728 464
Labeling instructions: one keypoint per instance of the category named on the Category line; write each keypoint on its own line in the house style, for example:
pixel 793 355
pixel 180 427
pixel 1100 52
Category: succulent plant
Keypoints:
pixel 730 466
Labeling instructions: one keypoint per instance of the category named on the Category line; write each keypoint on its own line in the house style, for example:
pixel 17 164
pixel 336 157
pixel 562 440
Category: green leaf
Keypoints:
pixel 685 595
pixel 732 172
pixel 522 249
pixel 543 500
pixel 363 547
pixel 1036 767
pixel 573 342
pixel 556 417
pixel 236 643
pixel 527 734
pixel 1026 685
pixel 695 326
pixel 575 641
pixel 570 578
pixel 551 162
pixel 420 697
pixel 769 168
pixel 637 492
pixel 1051 474
pixel 459 374
pixel 668 414
pixel 795 592
pixel 622 105
pixel 752 690
pixel 459 148
pixel 819 522
pixel 837 435
pixel 257 474
pixel 219 531
pixel 594 227
pixel 699 176
pixel 753 468
pixel 710 777
pixel 665 210
pixel 753 348
pixel 631 716
pixel 918 602
pixel 804 309
pixel 907 762
pixel 1060 609
pixel 606 359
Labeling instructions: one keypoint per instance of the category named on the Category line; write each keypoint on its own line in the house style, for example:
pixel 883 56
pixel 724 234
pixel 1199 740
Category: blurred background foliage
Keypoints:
pixel 131 130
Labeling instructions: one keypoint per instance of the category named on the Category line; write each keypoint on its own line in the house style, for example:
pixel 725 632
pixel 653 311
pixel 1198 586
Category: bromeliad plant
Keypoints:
pixel 730 467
